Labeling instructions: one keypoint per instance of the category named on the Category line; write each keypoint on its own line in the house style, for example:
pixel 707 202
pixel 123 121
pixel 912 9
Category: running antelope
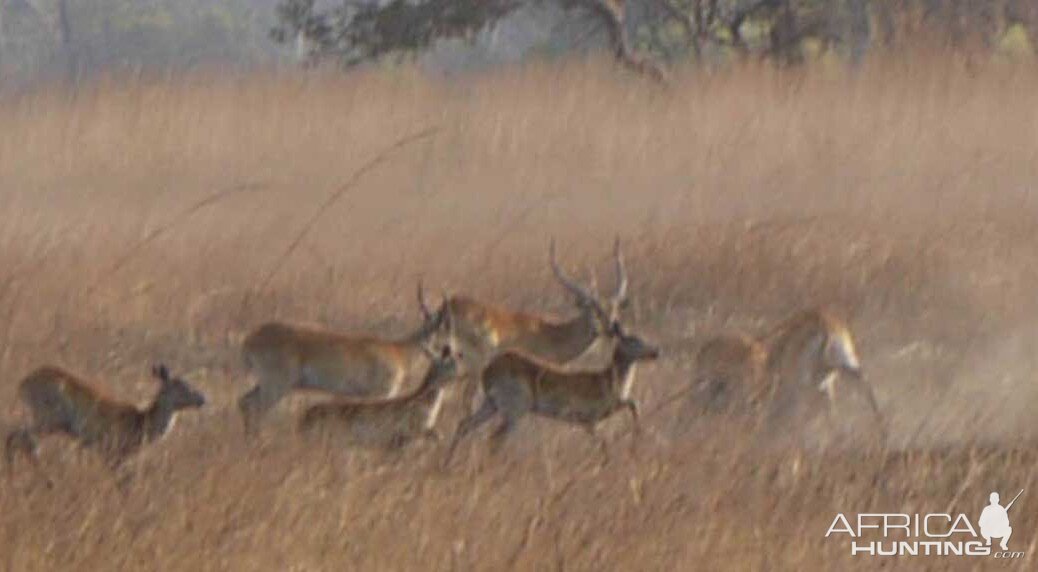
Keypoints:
pixel 389 423
pixel 730 372
pixel 794 367
pixel 484 330
pixel 61 402
pixel 286 357
pixel 515 384
pixel 487 330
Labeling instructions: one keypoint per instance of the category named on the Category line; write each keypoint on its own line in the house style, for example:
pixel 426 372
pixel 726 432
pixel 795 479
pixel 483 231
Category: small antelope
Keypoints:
pixel 389 423
pixel 61 402
pixel 286 357
pixel 795 365
pixel 515 384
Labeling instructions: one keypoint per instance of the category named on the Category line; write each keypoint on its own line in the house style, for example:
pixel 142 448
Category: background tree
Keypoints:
pixel 645 34
pixel 63 37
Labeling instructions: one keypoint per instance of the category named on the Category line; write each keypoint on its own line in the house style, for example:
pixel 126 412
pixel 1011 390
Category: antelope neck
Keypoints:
pixel 158 419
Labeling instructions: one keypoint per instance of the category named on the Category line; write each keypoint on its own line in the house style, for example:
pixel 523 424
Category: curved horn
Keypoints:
pixel 621 278
pixel 426 313
pixel 448 316
pixel 567 282
pixel 593 283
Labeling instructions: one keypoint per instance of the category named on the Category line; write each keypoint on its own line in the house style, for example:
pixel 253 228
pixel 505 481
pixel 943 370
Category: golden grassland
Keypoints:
pixel 905 196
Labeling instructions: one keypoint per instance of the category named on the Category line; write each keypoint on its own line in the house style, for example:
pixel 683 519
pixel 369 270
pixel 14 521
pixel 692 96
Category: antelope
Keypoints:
pixel 62 402
pixel 389 423
pixel 729 364
pixel 517 384
pixel 285 357
pixel 795 367
pixel 485 330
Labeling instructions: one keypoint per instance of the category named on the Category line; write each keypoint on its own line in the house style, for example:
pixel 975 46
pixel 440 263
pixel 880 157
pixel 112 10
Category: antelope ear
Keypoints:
pixel 161 372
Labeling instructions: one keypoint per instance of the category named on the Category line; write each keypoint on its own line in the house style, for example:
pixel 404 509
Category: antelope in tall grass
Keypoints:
pixel 388 423
pixel 791 371
pixel 62 402
pixel 484 330
pixel 286 357
pixel 730 372
pixel 516 384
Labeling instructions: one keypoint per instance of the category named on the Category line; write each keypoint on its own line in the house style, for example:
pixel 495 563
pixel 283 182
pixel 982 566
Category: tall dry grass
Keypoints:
pixel 904 195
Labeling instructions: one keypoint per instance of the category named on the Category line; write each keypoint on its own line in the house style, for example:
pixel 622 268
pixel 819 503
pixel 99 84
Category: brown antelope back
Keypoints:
pixel 283 358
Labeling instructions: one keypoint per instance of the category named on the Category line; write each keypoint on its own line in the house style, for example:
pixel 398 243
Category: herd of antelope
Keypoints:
pixel 517 360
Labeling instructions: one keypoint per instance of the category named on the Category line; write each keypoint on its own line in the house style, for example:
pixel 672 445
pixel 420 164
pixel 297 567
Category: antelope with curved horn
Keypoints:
pixel 286 357
pixel 62 402
pixel 516 384
pixel 389 423
pixel 793 368
pixel 484 330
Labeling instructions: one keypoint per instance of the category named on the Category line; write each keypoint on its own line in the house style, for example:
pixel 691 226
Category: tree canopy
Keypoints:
pixel 646 34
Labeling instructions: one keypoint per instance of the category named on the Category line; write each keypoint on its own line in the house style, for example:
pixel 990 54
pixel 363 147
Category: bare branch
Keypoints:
pixel 613 16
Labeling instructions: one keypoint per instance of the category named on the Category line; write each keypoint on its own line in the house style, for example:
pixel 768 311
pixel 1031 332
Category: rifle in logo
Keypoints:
pixel 1010 505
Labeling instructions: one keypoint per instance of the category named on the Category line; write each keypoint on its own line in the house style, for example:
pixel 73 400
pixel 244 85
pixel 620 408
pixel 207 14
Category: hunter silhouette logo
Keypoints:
pixel 929 534
pixel 994 521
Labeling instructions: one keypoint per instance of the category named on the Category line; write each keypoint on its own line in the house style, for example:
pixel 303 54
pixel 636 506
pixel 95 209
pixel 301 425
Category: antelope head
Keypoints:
pixel 631 346
pixel 175 392
pixel 436 321
pixel 446 366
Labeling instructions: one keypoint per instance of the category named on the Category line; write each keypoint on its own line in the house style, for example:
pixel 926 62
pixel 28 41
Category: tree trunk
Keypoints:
pixel 859 31
pixel 3 37
pixel 613 16
pixel 68 54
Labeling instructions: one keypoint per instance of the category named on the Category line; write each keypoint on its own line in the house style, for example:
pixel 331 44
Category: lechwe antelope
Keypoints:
pixel 515 384
pixel 483 331
pixel 61 402
pixel 729 372
pixel 792 371
pixel 388 423
pixel 286 357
